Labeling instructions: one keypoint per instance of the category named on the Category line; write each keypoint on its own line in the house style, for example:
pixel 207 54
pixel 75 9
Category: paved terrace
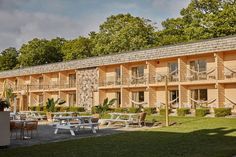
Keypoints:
pixel 201 47
pixel 46 134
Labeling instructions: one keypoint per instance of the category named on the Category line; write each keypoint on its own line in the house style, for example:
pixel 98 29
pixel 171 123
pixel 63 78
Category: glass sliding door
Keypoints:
pixel 174 97
pixel 137 75
pixel 173 71
pixel 72 80
pixel 72 99
pixel 198 69
pixel 137 97
pixel 118 99
pixel 198 95
pixel 118 76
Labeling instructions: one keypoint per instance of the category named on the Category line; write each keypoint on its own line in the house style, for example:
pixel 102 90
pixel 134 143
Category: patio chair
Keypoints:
pixel 31 126
pixel 140 121
pixel 18 127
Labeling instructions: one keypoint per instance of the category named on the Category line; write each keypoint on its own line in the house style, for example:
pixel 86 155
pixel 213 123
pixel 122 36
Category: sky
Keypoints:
pixel 23 20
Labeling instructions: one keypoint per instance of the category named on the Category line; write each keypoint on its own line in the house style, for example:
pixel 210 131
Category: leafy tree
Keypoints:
pixel 202 19
pixel 77 48
pixel 8 59
pixel 37 52
pixel 123 32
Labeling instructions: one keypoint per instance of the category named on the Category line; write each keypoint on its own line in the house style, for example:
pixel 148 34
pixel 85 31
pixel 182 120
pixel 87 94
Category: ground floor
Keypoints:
pixel 195 137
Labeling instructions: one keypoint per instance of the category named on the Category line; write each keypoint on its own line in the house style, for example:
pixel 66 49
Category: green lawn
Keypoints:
pixel 190 137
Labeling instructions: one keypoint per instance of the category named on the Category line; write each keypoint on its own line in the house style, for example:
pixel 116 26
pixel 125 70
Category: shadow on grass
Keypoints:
pixel 200 143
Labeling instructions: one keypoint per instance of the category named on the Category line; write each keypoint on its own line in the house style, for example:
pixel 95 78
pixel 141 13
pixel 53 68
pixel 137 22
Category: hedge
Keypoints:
pixel 150 110
pixel 163 112
pixel 133 110
pixel 121 110
pixel 222 112
pixel 201 112
pixel 183 111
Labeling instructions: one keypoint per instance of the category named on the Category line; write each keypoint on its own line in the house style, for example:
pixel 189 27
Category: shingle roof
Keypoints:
pixel 200 47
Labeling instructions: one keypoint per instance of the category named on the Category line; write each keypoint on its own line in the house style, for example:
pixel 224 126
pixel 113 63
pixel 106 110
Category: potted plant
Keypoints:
pixel 50 106
pixel 3 104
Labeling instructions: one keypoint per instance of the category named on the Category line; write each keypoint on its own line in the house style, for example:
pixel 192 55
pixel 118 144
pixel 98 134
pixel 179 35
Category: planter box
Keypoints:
pixel 4 128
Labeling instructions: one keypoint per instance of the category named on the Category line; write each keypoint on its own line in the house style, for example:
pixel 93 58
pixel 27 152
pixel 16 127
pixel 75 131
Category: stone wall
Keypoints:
pixel 87 83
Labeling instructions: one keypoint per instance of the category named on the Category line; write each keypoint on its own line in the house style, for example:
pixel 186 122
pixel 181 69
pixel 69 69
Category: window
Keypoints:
pixel 198 95
pixel 173 71
pixel 40 98
pixel 72 99
pixel 118 75
pixel 40 82
pixel 118 97
pixel 173 96
pixel 72 80
pixel 138 97
pixel 196 67
pixel 138 71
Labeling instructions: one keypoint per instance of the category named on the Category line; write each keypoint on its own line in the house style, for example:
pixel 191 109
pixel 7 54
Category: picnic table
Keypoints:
pixel 74 123
pixel 126 118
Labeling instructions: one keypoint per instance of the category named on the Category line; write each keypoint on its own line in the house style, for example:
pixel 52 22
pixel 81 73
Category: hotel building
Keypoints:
pixel 197 72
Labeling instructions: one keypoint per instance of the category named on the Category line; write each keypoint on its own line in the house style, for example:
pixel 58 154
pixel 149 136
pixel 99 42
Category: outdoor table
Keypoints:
pixel 116 117
pixel 24 122
pixel 64 123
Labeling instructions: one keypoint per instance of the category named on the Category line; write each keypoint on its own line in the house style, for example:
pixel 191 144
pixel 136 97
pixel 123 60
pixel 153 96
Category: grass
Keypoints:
pixel 195 137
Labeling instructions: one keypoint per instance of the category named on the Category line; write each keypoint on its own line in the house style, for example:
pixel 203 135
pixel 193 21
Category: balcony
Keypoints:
pixel 138 80
pixel 230 73
pixel 68 85
pixel 110 81
pixel 193 75
pixel 160 77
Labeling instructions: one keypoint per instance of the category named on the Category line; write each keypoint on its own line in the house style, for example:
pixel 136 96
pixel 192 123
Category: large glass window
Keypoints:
pixel 40 82
pixel 72 80
pixel 138 97
pixel 198 95
pixel 72 99
pixel 118 75
pixel 138 71
pixel 118 97
pixel 40 98
pixel 173 71
pixel 198 69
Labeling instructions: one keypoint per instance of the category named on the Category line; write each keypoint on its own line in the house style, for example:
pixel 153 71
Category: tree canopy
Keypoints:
pixel 8 59
pixel 201 19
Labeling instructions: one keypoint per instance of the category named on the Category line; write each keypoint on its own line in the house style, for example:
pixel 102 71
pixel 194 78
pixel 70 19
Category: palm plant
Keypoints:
pixel 51 103
pixel 104 107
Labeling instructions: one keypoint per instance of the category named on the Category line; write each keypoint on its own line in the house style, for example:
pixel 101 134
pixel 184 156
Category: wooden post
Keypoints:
pixel 167 103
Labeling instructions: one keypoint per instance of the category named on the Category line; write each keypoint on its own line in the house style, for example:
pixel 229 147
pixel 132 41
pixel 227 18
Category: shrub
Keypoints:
pixel 201 112
pixel 32 108
pixel 38 108
pixel 121 110
pixel 222 112
pixel 94 109
pixel 76 109
pixel 133 110
pixel 183 111
pixel 163 112
pixel 150 110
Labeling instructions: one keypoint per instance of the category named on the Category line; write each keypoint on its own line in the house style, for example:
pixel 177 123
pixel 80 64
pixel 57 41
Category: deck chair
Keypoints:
pixel 140 121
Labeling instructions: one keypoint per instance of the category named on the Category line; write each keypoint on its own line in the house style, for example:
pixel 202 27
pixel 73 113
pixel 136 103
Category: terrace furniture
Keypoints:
pixel 31 126
pixel 33 115
pixel 75 123
pixel 140 121
pixel 190 77
pixel 117 117
pixel 24 125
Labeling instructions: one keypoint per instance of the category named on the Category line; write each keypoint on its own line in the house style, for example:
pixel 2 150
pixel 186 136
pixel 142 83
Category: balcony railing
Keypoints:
pixel 160 77
pixel 193 75
pixel 135 80
pixel 230 73
pixel 110 81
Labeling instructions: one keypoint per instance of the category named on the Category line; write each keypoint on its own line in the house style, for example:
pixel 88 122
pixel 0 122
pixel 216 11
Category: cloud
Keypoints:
pixel 18 27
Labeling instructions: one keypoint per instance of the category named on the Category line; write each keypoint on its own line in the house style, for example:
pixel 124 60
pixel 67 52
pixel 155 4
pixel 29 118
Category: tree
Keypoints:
pixel 8 59
pixel 123 32
pixel 37 52
pixel 77 48
pixel 202 19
